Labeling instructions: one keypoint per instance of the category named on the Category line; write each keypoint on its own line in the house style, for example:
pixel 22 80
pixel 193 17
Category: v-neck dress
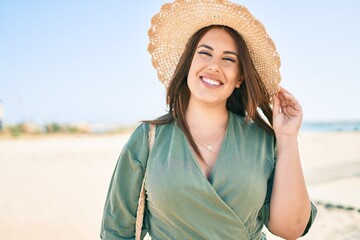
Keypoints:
pixel 181 203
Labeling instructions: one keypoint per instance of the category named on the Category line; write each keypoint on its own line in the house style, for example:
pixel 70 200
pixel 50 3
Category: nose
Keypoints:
pixel 214 66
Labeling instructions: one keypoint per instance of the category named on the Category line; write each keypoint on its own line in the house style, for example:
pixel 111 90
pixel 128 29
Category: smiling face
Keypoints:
pixel 214 72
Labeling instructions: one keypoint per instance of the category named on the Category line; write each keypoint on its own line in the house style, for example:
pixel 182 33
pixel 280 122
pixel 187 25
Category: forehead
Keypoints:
pixel 218 38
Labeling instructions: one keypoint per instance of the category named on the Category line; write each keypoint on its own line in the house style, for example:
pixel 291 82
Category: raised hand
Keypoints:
pixel 287 114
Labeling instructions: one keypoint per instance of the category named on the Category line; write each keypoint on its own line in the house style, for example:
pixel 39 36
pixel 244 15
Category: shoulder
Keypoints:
pixel 140 135
pixel 139 138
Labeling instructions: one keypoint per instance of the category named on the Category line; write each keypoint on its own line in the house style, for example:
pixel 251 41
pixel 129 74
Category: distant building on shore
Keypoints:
pixel 1 116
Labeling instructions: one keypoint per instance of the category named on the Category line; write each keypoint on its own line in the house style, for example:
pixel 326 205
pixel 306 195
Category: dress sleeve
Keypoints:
pixel 121 203
pixel 264 213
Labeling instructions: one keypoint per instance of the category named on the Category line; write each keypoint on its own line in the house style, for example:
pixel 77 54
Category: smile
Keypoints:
pixel 211 81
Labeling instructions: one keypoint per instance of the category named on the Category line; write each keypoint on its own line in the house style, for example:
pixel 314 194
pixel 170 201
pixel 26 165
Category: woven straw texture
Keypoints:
pixel 142 198
pixel 178 21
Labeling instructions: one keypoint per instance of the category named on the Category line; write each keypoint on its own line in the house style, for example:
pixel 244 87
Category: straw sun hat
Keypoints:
pixel 178 21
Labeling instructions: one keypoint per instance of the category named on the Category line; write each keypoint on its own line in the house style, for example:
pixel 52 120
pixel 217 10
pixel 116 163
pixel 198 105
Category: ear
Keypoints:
pixel 239 82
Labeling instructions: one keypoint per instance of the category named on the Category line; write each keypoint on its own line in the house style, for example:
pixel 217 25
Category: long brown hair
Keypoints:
pixel 248 100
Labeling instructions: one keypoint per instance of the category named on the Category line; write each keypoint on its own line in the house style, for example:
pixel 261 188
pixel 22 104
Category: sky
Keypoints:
pixel 87 61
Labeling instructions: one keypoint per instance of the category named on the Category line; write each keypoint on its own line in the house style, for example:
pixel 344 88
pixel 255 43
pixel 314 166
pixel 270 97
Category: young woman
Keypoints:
pixel 224 162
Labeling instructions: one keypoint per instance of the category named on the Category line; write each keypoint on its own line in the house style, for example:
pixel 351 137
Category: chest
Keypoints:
pixel 237 180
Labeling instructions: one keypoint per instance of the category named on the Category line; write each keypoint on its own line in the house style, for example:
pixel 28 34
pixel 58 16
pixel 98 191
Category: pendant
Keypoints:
pixel 209 147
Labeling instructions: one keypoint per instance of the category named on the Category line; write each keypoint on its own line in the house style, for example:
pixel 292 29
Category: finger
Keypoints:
pixel 291 112
pixel 288 97
pixel 292 101
pixel 283 101
pixel 284 90
pixel 289 105
pixel 276 104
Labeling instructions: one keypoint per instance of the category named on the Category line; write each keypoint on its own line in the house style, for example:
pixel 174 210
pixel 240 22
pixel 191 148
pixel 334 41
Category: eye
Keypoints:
pixel 229 59
pixel 205 53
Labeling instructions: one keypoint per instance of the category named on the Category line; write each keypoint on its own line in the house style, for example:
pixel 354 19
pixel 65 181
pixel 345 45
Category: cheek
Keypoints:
pixel 191 74
pixel 195 63
pixel 195 67
pixel 191 77
pixel 234 76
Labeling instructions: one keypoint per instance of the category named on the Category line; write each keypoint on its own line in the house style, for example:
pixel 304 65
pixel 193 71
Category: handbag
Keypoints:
pixel 141 203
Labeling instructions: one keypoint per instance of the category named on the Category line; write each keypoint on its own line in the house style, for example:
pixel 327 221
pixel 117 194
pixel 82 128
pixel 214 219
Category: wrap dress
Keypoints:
pixel 181 203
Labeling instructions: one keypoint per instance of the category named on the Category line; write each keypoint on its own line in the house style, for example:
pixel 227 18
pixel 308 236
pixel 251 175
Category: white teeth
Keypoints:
pixel 211 82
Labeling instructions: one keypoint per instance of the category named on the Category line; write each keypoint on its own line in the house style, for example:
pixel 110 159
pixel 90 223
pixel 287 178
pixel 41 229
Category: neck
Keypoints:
pixel 207 118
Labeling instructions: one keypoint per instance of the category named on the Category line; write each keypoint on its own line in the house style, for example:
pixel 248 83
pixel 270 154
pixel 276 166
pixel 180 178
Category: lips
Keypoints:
pixel 211 82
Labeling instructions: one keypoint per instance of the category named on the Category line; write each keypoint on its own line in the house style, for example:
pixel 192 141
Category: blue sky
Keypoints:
pixel 87 61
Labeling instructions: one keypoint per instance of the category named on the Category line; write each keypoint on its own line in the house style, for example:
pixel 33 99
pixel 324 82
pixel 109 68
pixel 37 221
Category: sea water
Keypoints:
pixel 331 126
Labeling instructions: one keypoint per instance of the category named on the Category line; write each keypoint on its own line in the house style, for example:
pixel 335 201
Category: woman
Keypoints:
pixel 224 163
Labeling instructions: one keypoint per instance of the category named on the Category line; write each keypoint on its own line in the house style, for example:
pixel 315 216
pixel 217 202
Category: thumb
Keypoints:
pixel 276 104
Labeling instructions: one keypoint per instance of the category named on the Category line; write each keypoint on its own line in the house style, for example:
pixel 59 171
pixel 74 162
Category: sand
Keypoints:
pixel 54 187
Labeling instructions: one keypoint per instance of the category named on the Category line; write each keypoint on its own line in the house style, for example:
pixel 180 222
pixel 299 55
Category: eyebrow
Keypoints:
pixel 212 49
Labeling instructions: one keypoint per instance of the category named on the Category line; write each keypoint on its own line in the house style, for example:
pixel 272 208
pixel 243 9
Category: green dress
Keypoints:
pixel 181 203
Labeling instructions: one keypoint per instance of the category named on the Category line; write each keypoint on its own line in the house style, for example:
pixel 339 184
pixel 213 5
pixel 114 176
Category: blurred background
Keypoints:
pixel 76 78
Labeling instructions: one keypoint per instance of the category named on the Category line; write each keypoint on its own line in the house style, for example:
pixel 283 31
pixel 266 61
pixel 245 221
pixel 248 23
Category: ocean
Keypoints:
pixel 331 126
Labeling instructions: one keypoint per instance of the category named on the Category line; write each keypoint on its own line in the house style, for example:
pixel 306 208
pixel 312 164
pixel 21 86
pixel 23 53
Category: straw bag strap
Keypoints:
pixel 141 203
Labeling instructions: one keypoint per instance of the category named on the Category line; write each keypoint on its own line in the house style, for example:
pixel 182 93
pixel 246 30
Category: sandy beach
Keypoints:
pixel 54 187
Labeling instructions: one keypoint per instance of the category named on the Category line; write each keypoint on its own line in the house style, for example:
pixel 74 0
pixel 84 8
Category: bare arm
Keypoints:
pixel 290 205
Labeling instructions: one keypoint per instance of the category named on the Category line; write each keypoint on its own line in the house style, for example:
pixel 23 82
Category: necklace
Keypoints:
pixel 209 147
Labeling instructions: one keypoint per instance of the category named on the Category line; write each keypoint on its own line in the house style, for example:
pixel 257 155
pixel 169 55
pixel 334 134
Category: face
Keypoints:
pixel 214 72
